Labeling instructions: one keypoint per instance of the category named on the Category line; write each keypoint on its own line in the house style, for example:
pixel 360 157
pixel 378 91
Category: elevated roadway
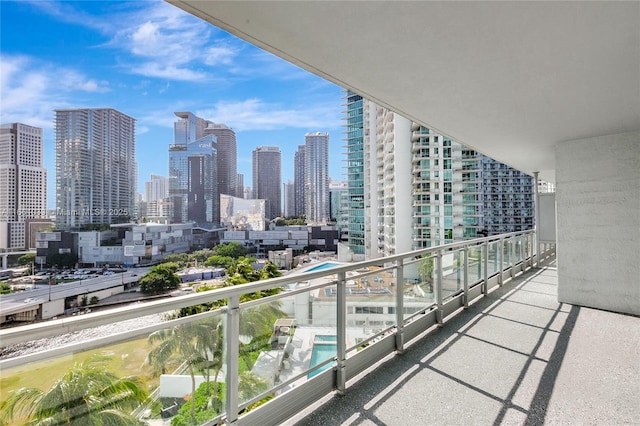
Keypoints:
pixel 46 301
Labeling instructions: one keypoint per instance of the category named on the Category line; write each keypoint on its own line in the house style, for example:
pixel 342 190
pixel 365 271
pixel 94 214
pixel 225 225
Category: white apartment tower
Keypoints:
pixel 23 183
pixel 298 182
pixel 387 174
pixel 421 189
pixel 95 167
pixel 156 196
pixel 316 177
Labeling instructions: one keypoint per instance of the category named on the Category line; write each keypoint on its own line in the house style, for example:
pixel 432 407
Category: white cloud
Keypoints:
pixel 254 114
pixel 171 72
pixel 32 89
pixel 166 42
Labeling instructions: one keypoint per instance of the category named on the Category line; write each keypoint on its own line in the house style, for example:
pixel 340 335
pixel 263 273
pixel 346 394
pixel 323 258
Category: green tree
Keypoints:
pixel 202 255
pixel 160 279
pixel 250 385
pixel 199 345
pixel 425 270
pixel 27 259
pixel 232 249
pixel 171 341
pixel 181 259
pixel 86 395
pixel 5 288
pixel 221 261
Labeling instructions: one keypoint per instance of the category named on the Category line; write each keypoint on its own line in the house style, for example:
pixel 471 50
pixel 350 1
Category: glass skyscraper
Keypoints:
pixel 411 188
pixel 267 163
pixel 193 186
pixel 355 171
pixel 316 172
pixel 95 167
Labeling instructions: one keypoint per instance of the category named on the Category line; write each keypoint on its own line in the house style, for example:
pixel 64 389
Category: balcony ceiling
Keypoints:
pixel 510 79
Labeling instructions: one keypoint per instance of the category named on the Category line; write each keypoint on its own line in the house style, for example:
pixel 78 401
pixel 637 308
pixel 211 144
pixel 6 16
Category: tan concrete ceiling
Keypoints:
pixel 510 79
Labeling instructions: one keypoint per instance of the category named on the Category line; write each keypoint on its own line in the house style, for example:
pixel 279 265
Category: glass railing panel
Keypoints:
pixel 269 344
pixel 148 378
pixel 419 282
pixel 528 247
pixel 476 264
pixel 518 247
pixel 506 253
pixel 493 253
pixel 194 392
pixel 287 341
pixel 371 304
pixel 452 273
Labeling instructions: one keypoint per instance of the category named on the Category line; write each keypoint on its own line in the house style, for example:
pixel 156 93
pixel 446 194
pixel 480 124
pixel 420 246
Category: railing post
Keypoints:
pixel 399 306
pixel 501 262
pixel 465 253
pixel 341 338
pixel 438 289
pixel 512 255
pixel 233 354
pixel 536 226
pixel 485 254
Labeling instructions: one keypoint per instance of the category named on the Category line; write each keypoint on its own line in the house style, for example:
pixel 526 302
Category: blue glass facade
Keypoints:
pixel 355 172
pixel 192 177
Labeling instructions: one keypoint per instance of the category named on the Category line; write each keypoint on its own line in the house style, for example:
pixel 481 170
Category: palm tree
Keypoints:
pixel 87 394
pixel 178 340
pixel 210 344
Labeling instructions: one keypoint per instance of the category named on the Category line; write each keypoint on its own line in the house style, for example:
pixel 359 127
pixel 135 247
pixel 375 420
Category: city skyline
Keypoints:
pixel 149 59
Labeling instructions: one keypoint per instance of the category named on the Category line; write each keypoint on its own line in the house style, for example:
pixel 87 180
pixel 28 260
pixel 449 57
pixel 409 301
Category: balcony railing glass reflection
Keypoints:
pixel 268 358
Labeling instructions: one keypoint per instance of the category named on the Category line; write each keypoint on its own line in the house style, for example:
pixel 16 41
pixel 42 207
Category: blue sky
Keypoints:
pixel 149 59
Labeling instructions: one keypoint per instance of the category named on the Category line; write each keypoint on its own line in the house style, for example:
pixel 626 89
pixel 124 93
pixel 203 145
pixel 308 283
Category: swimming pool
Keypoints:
pixel 322 266
pixel 324 347
pixel 325 338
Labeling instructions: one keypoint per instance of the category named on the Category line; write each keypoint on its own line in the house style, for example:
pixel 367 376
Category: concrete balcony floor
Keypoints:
pixel 516 356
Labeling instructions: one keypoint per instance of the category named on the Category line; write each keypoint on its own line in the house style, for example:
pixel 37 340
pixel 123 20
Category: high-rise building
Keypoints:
pixel 508 198
pixel 447 188
pixel 298 182
pixel 448 193
pixel 316 173
pixel 267 161
pixel 240 186
pixel 156 189
pixel 387 154
pixel 355 125
pixel 156 197
pixel 95 167
pixel 188 128
pixel 289 199
pixel 338 207
pixel 23 183
pixel 227 162
pixel 193 188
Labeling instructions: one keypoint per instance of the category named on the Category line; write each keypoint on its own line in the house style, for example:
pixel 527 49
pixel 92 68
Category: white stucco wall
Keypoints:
pixel 598 218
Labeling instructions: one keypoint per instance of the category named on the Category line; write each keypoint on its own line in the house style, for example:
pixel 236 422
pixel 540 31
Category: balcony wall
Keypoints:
pixel 598 205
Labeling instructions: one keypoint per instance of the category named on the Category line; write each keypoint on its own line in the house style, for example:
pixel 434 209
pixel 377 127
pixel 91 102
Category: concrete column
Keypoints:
pixel 598 222
pixel 403 220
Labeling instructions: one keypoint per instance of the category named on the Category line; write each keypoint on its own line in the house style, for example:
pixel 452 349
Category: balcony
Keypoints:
pixel 469 330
